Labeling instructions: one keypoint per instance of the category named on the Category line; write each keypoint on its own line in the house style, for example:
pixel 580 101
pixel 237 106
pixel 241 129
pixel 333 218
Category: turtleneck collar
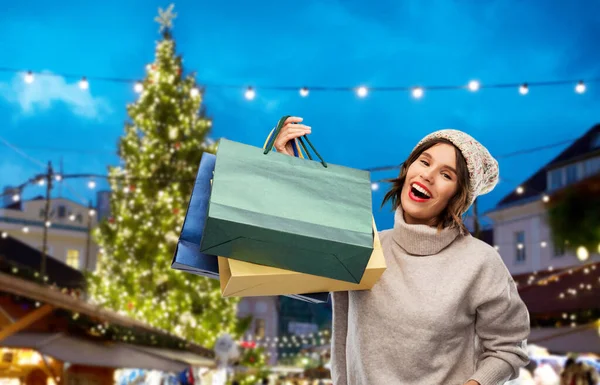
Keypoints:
pixel 421 240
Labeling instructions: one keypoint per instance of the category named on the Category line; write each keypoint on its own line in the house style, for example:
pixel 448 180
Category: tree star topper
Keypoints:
pixel 165 18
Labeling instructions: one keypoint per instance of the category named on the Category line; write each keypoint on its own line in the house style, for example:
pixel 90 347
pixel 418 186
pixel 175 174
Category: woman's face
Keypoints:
pixel 431 181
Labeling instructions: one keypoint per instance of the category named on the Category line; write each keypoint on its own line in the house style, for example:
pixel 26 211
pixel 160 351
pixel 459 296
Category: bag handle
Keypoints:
pixel 271 141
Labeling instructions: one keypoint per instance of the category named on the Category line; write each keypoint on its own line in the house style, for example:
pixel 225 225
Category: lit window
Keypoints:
pixel 73 258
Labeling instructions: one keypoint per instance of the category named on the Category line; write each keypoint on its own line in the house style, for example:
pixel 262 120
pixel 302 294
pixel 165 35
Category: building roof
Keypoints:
pixel 548 292
pixel 19 205
pixel 536 184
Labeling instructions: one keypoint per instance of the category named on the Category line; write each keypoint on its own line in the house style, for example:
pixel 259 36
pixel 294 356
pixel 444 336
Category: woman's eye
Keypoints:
pixel 425 162
pixel 447 176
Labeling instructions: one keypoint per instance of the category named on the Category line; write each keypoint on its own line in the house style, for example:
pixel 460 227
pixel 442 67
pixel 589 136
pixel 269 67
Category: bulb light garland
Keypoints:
pixel 579 86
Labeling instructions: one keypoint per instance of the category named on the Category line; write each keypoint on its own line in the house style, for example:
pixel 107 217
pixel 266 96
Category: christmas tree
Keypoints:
pixel 160 151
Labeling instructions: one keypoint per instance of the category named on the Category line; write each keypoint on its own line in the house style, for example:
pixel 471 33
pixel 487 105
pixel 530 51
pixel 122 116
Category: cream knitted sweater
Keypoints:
pixel 446 310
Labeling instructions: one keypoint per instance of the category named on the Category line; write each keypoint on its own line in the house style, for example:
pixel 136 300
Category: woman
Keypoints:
pixel 446 311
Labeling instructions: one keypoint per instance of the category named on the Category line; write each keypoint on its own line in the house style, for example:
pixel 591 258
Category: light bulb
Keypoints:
pixel 583 253
pixel 543 244
pixel 580 87
pixel 304 92
pixel 58 177
pixel 474 85
pixel 417 92
pixel 194 92
pixel 92 184
pixel 375 186
pixel 250 93
pixel 524 89
pixel 362 91
pixel 25 229
pixel 48 223
pixel 546 198
pixel 520 190
pixel 72 217
pixel 83 83
pixel 29 77
pixel 41 181
pixel 16 198
pixel 138 87
pixel 4 234
pixel 92 212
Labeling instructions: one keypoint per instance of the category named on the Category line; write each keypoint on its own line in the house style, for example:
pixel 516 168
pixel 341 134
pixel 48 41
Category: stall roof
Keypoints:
pixel 105 354
pixel 581 339
pixel 45 294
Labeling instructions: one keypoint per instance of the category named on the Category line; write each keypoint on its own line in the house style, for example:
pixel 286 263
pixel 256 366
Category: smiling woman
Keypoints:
pixel 446 310
pixel 433 189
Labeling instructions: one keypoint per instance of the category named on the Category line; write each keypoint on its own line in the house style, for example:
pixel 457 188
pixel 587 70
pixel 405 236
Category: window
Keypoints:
pixel 556 179
pixel 73 258
pixel 520 246
pixel 571 173
pixel 62 211
pixel 559 251
pixel 596 141
pixel 591 167
pixel 259 328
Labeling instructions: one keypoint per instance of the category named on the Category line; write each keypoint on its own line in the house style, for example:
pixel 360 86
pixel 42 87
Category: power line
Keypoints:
pixel 503 156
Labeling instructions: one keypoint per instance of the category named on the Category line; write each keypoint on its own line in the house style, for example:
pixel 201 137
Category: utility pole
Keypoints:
pixel 88 244
pixel 48 177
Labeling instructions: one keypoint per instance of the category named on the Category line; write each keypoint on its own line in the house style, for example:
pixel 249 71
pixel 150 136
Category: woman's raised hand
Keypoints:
pixel 291 130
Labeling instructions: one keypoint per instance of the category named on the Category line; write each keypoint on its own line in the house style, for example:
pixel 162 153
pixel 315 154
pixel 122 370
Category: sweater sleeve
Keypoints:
pixel 338 340
pixel 502 325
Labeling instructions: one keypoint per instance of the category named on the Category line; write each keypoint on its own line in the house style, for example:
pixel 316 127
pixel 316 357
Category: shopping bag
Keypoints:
pixel 288 212
pixel 187 256
pixel 243 279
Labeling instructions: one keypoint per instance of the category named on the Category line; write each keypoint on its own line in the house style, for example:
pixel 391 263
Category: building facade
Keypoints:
pixel 69 237
pixel 522 235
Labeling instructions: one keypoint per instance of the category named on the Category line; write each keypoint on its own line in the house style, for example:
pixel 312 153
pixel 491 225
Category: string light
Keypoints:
pixel 374 186
pixel 138 87
pixel 582 253
pixel 92 184
pixel 250 94
pixel 4 234
pixel 362 91
pixel 417 92
pixel 544 244
pixel 25 229
pixel 524 89
pixel 29 77
pixel 92 212
pixel 16 198
pixel 58 177
pixel 474 85
pixel 304 92
pixel 546 198
pixel 520 190
pixel 194 92
pixel 84 84
pixel 41 181
pixel 580 87
pixel 48 223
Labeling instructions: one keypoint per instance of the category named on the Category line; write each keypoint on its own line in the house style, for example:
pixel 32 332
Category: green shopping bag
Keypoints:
pixel 287 212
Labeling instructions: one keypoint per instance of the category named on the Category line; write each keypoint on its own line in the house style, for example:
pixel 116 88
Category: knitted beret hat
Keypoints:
pixel 483 168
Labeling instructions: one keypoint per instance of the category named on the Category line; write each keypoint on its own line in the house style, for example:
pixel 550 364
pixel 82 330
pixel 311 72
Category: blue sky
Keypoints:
pixel 318 43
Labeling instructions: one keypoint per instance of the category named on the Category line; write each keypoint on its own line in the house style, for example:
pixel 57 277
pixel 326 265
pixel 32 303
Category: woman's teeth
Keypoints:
pixel 421 190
